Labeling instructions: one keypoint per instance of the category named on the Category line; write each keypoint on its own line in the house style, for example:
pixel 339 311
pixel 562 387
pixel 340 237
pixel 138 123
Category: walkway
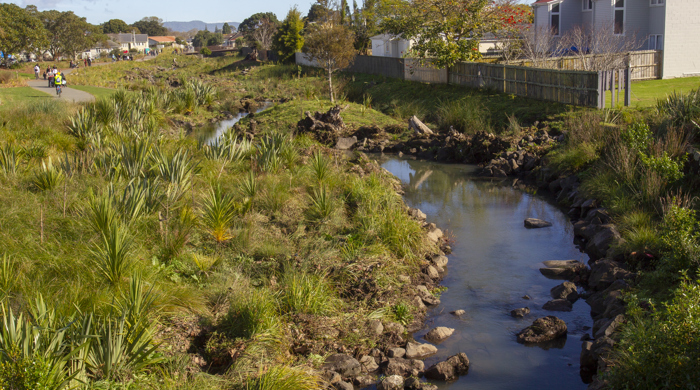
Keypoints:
pixel 69 94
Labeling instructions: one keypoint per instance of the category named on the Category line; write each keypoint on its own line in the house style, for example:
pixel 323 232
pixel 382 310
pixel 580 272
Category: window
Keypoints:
pixel 657 2
pixel 619 17
pixel 656 42
pixel 554 16
pixel 588 4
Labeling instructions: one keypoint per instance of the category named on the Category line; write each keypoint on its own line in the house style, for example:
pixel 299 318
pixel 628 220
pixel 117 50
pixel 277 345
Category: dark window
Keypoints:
pixel 555 24
pixel 619 21
pixel 619 3
pixel 555 8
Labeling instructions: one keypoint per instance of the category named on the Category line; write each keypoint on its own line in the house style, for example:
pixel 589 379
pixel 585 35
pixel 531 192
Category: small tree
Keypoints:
pixel 599 48
pixel 226 29
pixel 263 33
pixel 205 51
pixel 288 39
pixel 331 45
pixel 539 45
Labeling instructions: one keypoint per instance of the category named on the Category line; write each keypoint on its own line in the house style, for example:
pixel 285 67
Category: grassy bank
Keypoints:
pixel 136 257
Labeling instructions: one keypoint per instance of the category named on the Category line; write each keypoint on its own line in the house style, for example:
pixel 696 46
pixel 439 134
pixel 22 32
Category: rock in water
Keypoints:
pixel 439 334
pixel 419 127
pixel 393 382
pixel 566 290
pixel 558 305
pixel 458 312
pixel 543 329
pixel 520 313
pixel 449 369
pixel 419 351
pixel 534 223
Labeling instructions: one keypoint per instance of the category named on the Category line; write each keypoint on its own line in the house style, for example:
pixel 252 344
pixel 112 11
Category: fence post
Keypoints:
pixel 628 87
pixel 601 89
pixel 612 88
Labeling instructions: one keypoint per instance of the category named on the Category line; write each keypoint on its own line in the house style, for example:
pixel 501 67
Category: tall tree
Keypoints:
pixel 226 29
pixel 115 26
pixel 20 30
pixel 251 23
pixel 331 46
pixel 445 31
pixel 152 26
pixel 68 34
pixel 206 38
pixel 288 39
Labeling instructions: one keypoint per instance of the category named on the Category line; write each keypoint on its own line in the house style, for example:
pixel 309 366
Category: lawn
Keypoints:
pixel 646 93
pixel 10 97
pixel 97 92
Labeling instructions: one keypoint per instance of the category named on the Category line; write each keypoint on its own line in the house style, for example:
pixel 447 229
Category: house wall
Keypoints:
pixel 637 19
pixel 570 15
pixel 541 16
pixel 681 46
pixel 602 13
pixel 385 47
pixel 586 16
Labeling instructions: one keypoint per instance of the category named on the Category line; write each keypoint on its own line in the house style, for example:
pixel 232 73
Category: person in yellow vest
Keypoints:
pixel 58 81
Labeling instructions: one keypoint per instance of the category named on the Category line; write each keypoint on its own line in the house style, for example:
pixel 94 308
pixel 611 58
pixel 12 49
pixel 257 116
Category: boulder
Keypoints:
pixel 605 237
pixel 376 327
pixel 566 290
pixel 558 305
pixel 396 352
pixel 534 223
pixel 413 383
pixel 403 367
pixel 604 273
pixel 435 235
pixel 394 327
pixel 418 303
pixel 417 214
pixel 439 334
pixel 345 143
pixel 449 369
pixel 331 377
pixel 440 261
pixel 543 329
pixel 363 381
pixel 392 382
pixel 432 272
pixel 520 313
pixel 368 364
pixel 419 351
pixel 418 127
pixel 345 365
pixel 427 296
pixel 458 312
pixel 343 386
pixel 607 326
pixel 562 269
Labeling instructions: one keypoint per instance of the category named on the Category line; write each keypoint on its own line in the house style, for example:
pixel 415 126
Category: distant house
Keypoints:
pixel 155 42
pixel 230 39
pixel 387 45
pixel 127 42
pixel 669 25
pixel 100 49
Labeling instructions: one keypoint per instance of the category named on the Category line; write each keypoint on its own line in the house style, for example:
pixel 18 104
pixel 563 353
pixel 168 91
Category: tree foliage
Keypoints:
pixel 152 26
pixel 115 26
pixel 331 45
pixel 251 23
pixel 20 29
pixel 288 39
pixel 68 34
pixel 226 29
pixel 207 38
pixel 448 31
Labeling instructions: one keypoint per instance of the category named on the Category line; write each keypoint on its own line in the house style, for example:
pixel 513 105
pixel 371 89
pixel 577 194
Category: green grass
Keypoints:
pixel 97 92
pixel 645 93
pixel 10 97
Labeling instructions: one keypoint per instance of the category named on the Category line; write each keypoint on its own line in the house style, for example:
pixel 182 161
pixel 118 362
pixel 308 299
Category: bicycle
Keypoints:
pixel 59 90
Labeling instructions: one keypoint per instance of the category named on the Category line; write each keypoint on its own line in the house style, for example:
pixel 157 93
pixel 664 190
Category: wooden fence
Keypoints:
pixel 645 64
pixel 562 86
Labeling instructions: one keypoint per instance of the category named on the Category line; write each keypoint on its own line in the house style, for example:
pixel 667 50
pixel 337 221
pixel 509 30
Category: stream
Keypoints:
pixel 494 264
pixel 211 133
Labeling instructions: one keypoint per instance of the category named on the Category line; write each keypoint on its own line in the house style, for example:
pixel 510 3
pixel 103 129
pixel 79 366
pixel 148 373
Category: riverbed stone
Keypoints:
pixel 376 327
pixel 418 303
pixel 403 367
pixel 345 365
pixel 427 297
pixel 419 351
pixel 396 352
pixel 435 235
pixel 394 327
pixel 392 382
pixel 606 326
pixel 566 290
pixel 458 312
pixel 440 261
pixel 604 273
pixel 432 272
pixel 342 385
pixel 535 223
pixel 606 236
pixel 363 381
pixel 543 329
pixel 368 364
pixel 439 334
pixel 520 313
pixel 558 305
pixel 562 269
pixel 417 214
pixel 449 369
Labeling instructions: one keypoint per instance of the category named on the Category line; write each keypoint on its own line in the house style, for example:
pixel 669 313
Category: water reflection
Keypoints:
pixel 494 264
pixel 210 134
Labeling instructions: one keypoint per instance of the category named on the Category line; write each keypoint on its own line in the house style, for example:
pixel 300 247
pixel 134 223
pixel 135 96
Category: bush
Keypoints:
pixel 467 115
pixel 253 312
pixel 205 51
pixel 306 293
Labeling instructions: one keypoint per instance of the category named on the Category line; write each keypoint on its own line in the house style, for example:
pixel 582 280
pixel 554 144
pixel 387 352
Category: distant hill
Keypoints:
pixel 198 24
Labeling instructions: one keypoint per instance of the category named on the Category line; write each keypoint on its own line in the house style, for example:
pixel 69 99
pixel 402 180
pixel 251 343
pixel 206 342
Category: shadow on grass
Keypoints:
pixel 236 66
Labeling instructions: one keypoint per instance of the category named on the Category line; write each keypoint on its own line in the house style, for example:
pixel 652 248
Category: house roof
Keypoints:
pixel 168 38
pixel 545 1
pixel 126 38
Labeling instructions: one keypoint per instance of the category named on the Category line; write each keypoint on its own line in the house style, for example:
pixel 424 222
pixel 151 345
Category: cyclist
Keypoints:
pixel 58 81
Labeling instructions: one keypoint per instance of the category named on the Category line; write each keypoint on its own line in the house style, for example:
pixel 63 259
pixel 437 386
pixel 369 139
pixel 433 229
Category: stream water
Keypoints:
pixel 213 132
pixel 495 263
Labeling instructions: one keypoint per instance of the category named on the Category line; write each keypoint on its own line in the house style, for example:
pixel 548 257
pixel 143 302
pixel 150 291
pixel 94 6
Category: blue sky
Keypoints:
pixel 99 11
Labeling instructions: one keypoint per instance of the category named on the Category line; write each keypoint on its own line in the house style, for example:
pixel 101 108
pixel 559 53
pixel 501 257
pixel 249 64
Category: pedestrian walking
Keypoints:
pixel 37 69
